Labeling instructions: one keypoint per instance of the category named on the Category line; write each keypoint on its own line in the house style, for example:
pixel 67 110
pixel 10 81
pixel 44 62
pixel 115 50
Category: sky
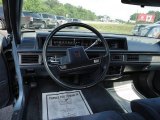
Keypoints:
pixel 113 8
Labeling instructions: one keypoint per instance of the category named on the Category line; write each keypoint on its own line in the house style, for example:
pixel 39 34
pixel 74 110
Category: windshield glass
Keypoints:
pixel 106 16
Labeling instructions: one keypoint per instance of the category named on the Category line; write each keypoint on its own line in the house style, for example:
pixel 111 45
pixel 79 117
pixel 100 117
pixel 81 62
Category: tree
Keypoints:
pixel 57 8
pixel 134 16
pixel 32 5
pixel 52 3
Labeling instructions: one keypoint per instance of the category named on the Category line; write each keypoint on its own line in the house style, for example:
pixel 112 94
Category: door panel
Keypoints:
pixel 4 79
pixel 156 82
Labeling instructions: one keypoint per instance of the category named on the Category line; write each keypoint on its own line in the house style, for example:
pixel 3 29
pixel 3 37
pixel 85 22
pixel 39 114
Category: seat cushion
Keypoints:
pixel 133 116
pixel 148 108
pixel 107 115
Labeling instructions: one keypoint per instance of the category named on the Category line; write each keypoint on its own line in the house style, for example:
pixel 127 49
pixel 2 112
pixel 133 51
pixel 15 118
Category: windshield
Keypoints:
pixel 106 16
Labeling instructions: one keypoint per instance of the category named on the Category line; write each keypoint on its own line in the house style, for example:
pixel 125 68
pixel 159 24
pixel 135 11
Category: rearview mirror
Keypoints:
pixel 142 2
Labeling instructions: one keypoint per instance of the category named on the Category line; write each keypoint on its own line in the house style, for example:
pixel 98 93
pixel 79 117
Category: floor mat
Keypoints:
pixel 64 104
pixel 97 97
pixel 124 94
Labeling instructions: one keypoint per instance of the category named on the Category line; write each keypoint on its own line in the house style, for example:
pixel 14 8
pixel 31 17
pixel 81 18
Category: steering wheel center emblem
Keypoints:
pixel 77 54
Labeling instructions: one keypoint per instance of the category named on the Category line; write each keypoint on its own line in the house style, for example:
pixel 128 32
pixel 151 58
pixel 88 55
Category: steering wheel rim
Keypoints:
pixel 49 38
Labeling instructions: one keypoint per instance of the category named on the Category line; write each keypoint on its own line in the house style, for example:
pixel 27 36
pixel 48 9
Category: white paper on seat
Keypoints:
pixel 64 104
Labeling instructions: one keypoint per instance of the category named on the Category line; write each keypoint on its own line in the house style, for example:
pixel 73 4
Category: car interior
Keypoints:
pixel 78 75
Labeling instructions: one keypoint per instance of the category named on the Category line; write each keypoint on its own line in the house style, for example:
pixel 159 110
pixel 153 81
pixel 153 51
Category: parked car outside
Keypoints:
pixel 49 21
pixel 73 20
pixel 55 18
pixel 24 20
pixel 61 20
pixel 137 29
pixel 151 31
pixel 158 22
pixel 35 20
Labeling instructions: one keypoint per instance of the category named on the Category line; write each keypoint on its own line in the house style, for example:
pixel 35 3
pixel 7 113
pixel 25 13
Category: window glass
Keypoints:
pixel 45 16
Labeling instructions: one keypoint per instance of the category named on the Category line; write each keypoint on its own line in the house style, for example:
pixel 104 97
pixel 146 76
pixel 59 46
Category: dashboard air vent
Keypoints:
pixel 29 59
pixel 116 57
pixel 132 57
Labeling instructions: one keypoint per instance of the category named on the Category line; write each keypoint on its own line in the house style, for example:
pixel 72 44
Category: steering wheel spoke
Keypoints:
pixel 80 66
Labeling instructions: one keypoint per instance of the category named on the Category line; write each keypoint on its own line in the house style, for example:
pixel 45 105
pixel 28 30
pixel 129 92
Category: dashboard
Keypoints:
pixel 127 53
pixel 69 41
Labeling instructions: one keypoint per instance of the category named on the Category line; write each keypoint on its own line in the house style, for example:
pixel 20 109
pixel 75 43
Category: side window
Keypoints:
pixel 154 32
pixel 45 16
pixel 40 15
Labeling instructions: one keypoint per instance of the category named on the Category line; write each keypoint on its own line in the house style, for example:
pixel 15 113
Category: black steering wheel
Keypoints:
pixel 81 71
